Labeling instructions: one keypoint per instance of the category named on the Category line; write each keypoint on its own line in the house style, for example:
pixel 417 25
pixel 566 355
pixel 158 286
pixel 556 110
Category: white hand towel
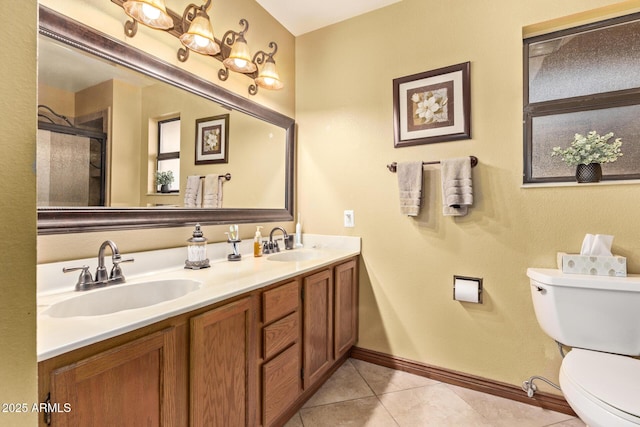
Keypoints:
pixel 212 192
pixel 457 186
pixel 410 186
pixel 191 192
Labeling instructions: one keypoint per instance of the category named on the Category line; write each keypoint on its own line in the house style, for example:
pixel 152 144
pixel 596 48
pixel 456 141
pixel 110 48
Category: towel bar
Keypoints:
pixel 226 176
pixel 393 166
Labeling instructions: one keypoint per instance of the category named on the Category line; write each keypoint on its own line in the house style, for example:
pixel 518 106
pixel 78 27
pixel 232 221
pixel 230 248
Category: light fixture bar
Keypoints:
pixel 232 51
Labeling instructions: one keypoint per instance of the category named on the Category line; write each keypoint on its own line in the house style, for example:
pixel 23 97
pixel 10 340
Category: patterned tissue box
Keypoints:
pixel 594 265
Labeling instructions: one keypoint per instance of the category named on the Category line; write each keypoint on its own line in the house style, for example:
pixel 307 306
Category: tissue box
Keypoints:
pixel 595 265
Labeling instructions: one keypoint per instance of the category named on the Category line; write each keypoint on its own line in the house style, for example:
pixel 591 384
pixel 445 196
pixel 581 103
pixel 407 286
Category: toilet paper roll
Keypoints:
pixel 466 290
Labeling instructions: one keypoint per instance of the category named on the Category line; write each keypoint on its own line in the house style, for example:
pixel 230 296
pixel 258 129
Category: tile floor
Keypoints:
pixel 364 394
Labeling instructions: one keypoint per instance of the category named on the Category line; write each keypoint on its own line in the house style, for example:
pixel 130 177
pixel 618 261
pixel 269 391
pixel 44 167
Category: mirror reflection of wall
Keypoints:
pixel 129 107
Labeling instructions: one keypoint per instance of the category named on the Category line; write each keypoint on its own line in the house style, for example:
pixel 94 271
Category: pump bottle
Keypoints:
pixel 257 243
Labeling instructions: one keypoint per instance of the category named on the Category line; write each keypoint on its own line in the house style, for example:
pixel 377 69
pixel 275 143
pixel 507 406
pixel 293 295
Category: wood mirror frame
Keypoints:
pixel 66 220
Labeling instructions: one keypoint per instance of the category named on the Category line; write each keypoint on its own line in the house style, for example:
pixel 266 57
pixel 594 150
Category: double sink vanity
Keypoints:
pixel 237 344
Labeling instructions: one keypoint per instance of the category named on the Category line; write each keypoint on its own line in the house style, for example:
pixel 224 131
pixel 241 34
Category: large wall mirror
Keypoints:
pixel 112 116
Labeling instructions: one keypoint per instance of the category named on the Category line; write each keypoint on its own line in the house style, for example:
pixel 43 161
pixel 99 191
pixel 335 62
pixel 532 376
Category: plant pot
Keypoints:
pixel 164 188
pixel 589 173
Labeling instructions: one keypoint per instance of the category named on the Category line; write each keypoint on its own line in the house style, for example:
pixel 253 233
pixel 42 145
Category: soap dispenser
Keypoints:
pixel 197 251
pixel 257 242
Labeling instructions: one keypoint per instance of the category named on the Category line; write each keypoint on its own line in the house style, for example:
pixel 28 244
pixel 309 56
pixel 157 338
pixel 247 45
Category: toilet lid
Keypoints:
pixel 613 379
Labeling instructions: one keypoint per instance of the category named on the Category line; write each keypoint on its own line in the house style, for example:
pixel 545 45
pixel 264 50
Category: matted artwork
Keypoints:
pixel 433 106
pixel 212 140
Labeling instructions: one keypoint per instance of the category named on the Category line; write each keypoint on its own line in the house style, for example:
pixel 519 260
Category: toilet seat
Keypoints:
pixel 602 383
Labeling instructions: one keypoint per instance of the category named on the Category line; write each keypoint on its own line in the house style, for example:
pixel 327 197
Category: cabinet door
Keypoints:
pixel 317 325
pixel 132 384
pixel 346 307
pixel 281 383
pixel 223 365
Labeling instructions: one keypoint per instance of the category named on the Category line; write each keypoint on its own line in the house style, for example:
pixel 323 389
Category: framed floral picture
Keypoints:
pixel 212 140
pixel 433 106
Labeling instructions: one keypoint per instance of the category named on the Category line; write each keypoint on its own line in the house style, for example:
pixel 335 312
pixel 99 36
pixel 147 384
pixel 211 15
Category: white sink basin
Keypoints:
pixel 295 255
pixel 122 297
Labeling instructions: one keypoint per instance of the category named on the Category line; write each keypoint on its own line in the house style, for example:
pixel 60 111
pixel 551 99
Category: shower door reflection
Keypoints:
pixel 70 165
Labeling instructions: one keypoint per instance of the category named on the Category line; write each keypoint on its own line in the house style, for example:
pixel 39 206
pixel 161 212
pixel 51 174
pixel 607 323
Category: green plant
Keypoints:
pixel 592 148
pixel 164 178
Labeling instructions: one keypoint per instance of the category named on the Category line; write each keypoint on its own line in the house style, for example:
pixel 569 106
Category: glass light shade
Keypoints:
pixel 199 37
pixel 269 77
pixel 151 13
pixel 239 59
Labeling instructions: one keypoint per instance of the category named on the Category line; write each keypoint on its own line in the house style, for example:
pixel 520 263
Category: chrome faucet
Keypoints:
pixel 272 245
pixel 86 282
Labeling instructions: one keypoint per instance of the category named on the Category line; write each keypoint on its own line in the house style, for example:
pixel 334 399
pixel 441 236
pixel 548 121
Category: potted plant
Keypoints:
pixel 588 152
pixel 164 179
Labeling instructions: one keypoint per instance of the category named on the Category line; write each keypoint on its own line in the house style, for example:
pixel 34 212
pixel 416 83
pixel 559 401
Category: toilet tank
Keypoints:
pixel 593 312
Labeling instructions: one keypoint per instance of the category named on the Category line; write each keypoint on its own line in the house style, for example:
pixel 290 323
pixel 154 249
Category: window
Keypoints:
pixel 169 150
pixel 578 80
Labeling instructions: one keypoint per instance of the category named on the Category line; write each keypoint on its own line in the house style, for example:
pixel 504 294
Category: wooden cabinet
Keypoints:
pixel 222 366
pixel 281 367
pixel 345 307
pixel 132 382
pixel 317 325
pixel 252 360
pixel 330 318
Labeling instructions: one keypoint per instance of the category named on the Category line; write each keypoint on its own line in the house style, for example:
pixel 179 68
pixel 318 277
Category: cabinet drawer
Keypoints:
pixel 280 334
pixel 279 302
pixel 280 384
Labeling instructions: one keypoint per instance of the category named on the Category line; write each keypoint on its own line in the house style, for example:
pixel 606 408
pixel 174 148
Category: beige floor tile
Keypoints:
pixel 433 405
pixel 345 384
pixel 295 421
pixel 386 380
pixel 505 412
pixel 365 412
pixel 573 422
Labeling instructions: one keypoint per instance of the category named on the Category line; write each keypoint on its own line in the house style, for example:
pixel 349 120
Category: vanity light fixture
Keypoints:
pixel 152 13
pixel 268 77
pixel 239 59
pixel 195 32
pixel 199 32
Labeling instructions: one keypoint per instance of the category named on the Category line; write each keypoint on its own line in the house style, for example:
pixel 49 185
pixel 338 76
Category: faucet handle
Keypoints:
pixel 84 279
pixel 116 271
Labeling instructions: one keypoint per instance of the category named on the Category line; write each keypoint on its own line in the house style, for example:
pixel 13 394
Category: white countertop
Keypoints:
pixel 223 280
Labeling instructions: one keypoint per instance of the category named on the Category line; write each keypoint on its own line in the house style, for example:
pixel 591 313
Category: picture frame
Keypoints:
pixel 212 140
pixel 433 106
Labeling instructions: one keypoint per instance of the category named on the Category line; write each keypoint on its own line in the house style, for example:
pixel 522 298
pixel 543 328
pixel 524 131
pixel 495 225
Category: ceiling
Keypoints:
pixel 65 68
pixel 303 16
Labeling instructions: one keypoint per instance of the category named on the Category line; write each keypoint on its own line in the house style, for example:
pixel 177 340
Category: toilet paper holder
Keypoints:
pixel 467 289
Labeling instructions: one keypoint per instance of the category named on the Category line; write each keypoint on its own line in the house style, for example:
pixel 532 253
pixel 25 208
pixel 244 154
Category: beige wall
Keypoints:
pixel 345 134
pixel 60 101
pixel 124 146
pixel 17 217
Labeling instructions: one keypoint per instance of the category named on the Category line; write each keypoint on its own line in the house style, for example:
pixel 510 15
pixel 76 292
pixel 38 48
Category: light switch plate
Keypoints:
pixel 349 220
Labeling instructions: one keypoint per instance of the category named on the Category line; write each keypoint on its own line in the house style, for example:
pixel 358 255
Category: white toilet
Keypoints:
pixel 599 317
